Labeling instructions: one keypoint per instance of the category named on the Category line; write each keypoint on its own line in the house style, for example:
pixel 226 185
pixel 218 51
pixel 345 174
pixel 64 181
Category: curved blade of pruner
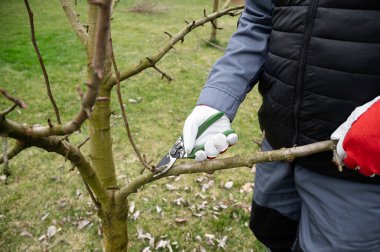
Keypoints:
pixel 177 151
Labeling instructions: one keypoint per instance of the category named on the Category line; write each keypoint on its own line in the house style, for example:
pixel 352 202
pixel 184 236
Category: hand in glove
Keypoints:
pixel 359 139
pixel 214 139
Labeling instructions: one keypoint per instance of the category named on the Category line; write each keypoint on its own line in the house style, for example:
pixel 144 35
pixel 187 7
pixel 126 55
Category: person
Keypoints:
pixel 318 67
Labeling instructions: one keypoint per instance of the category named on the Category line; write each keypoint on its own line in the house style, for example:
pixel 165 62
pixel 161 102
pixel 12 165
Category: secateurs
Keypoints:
pixel 178 149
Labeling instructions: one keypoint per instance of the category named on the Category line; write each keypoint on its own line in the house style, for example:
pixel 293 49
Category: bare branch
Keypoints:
pixel 16 149
pixel 75 23
pixel 114 4
pixel 124 115
pixel 145 63
pixel 16 101
pixel 163 74
pixel 211 166
pixel 8 110
pixel 89 98
pixel 40 60
pixel 55 144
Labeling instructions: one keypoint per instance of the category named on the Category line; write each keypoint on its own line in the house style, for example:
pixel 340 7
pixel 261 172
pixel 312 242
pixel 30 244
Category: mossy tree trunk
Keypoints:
pixel 114 215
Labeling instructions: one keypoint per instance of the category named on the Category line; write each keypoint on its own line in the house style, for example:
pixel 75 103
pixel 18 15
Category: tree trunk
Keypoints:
pixel 115 227
pixel 213 27
pixel 113 216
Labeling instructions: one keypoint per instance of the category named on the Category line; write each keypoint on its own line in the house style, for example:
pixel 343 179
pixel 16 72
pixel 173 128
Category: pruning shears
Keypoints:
pixel 178 149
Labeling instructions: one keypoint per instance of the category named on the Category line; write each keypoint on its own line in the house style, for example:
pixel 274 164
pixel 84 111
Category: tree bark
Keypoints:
pixel 213 27
pixel 115 227
pixel 114 217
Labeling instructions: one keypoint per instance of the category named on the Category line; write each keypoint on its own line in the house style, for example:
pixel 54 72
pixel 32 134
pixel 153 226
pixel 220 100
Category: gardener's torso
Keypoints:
pixel 323 61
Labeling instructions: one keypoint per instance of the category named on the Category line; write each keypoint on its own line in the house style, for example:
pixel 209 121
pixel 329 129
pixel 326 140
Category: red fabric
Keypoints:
pixel 362 142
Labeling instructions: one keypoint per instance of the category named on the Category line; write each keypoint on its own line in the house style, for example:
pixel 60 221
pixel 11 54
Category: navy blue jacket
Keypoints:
pixel 315 60
pixel 235 74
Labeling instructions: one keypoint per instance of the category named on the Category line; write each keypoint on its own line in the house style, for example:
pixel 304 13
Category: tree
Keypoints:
pixel 103 75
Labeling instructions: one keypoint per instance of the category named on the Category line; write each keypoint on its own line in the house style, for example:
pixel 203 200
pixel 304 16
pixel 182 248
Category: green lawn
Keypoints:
pixel 43 191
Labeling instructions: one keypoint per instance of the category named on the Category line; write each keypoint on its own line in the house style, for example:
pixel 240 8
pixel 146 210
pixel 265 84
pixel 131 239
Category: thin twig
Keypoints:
pixel 114 4
pixel 13 99
pixel 163 74
pixel 73 17
pixel 179 37
pixel 8 110
pixel 46 77
pixel 170 36
pixel 96 202
pixel 89 98
pixel 124 115
pixel 83 143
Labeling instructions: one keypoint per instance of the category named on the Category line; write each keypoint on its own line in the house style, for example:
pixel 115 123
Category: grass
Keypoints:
pixel 42 183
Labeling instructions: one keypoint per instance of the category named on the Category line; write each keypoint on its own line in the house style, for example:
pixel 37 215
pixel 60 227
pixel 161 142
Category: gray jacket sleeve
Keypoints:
pixel 235 73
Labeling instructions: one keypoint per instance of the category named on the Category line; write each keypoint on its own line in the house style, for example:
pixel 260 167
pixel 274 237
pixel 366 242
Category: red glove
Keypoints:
pixel 359 139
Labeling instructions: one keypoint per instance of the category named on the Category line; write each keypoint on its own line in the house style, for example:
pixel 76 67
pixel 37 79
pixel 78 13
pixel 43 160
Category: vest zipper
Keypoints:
pixel 301 65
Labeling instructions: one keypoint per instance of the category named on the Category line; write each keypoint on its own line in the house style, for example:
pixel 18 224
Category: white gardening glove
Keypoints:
pixel 213 139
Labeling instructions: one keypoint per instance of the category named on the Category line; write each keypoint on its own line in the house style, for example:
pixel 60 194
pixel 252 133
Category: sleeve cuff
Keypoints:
pixel 220 100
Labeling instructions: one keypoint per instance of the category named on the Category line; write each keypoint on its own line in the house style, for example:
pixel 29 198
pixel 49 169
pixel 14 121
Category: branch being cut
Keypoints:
pixel 145 63
pixel 40 60
pixel 75 23
pixel 89 98
pixel 210 166
pixel 124 115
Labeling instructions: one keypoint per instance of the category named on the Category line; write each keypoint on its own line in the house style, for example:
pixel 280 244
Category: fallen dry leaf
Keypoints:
pixel 3 178
pixel 180 220
pixel 83 223
pixel 131 207
pixel 170 187
pixel 247 188
pixel 45 216
pixel 42 237
pixel 146 249
pixel 207 186
pixel 136 215
pixel 158 209
pixel 26 234
pixel 229 185
pixel 51 231
pixel 222 242
pixel 164 244
pixel 210 239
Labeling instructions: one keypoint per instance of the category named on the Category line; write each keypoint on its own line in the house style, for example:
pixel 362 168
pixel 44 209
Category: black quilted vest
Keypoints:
pixel 323 61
